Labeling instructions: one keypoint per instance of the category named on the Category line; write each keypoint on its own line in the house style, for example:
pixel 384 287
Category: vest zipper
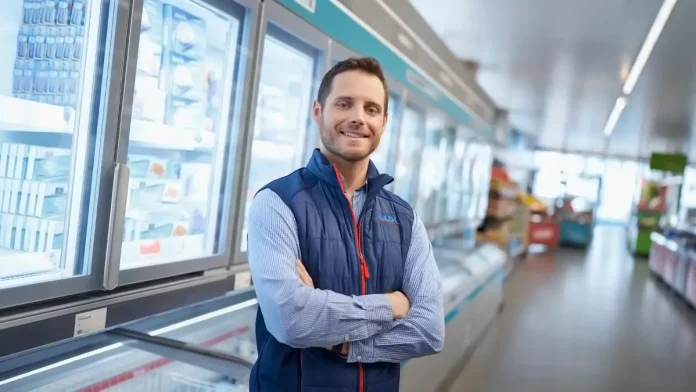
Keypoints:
pixel 364 272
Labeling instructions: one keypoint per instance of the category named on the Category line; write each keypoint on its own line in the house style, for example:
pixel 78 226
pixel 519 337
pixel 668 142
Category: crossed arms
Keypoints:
pixel 370 327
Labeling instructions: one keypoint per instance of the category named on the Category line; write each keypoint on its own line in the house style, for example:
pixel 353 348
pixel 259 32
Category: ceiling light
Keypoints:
pixel 614 116
pixel 648 45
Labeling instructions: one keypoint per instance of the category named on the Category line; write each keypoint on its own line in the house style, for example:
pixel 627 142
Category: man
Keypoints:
pixel 343 269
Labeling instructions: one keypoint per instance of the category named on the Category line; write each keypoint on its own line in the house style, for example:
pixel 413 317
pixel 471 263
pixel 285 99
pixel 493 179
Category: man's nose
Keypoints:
pixel 357 119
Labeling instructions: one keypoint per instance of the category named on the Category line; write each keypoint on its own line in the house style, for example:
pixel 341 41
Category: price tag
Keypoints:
pixel 92 321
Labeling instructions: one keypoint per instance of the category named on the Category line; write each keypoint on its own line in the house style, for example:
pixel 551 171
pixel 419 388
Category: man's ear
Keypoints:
pixel 316 111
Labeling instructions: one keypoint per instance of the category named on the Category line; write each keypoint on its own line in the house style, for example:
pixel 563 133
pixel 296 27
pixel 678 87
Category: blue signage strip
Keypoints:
pixel 342 28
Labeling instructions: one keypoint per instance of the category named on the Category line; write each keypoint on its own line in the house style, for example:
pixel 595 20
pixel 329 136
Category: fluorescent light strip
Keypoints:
pixel 396 51
pixel 204 317
pixel 648 45
pixel 426 47
pixel 614 116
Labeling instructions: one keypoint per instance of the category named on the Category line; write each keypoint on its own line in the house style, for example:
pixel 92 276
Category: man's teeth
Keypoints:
pixel 350 134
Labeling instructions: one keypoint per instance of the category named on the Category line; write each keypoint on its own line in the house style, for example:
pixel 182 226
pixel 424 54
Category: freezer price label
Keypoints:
pixel 92 321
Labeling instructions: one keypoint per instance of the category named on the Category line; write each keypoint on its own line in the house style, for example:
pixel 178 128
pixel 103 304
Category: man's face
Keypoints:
pixel 352 120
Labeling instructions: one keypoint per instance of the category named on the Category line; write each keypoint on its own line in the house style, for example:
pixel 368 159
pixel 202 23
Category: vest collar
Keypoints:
pixel 326 172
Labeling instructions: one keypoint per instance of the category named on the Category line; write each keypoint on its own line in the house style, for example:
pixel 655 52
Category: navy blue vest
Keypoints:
pixel 331 239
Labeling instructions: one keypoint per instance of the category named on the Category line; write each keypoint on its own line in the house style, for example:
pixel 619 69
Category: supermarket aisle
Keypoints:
pixel 585 322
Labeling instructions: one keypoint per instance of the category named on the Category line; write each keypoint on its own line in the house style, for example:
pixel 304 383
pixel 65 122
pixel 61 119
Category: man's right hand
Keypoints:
pixel 399 303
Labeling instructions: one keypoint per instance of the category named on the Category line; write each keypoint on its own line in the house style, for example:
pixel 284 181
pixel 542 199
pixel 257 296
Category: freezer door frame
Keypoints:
pixel 105 117
pixel 236 132
pixel 291 28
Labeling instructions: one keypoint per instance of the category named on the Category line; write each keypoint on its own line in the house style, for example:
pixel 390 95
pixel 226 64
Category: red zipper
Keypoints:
pixel 364 272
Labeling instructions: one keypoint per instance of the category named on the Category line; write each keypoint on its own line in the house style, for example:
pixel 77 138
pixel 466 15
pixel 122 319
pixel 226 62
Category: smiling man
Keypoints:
pixel 343 269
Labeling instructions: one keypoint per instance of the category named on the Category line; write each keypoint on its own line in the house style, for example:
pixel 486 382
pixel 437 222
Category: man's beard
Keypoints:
pixel 329 140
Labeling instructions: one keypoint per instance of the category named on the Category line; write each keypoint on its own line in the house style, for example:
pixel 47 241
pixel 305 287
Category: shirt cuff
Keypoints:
pixel 360 351
pixel 377 307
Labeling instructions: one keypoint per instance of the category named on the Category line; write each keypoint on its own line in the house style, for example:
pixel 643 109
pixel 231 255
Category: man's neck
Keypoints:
pixel 354 173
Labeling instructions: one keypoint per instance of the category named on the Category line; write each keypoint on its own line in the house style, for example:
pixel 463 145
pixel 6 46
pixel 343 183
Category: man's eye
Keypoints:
pixel 372 110
pixel 342 105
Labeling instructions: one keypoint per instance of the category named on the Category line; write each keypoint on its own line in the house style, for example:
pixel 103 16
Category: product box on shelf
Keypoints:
pixel 184 33
pixel 149 95
pixel 150 166
pixel 50 45
pixel 182 69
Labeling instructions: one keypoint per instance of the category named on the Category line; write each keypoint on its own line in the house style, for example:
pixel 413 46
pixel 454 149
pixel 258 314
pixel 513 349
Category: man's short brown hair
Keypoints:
pixel 366 64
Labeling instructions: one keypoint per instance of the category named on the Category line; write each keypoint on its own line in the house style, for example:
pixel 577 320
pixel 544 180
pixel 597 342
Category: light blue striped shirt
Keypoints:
pixel 303 317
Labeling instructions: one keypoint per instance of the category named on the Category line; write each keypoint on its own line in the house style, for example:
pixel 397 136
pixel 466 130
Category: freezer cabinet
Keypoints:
pixel 114 361
pixel 119 123
pixel 208 346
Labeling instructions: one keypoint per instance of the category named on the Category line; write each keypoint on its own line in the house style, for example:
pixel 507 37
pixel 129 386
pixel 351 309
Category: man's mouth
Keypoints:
pixel 353 135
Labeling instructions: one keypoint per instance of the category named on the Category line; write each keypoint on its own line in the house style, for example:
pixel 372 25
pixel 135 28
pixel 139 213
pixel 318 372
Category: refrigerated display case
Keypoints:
pixel 409 153
pixel 55 95
pixel 182 126
pixel 190 350
pixel 283 109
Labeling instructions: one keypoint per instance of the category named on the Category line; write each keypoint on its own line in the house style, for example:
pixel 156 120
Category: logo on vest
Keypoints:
pixel 391 219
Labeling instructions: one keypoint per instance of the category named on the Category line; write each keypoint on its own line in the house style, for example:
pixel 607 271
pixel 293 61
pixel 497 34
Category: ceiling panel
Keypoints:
pixel 663 100
pixel 558 65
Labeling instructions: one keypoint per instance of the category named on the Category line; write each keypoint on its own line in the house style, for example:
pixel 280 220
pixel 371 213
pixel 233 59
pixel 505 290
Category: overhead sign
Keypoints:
pixel 673 163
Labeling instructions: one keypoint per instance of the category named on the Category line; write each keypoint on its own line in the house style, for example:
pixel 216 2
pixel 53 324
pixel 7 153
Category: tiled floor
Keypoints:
pixel 586 321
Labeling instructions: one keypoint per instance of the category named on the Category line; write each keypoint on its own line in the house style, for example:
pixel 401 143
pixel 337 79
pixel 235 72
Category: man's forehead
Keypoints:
pixel 358 84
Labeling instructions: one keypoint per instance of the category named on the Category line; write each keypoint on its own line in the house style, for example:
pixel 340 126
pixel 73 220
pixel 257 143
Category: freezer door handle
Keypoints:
pixel 117 217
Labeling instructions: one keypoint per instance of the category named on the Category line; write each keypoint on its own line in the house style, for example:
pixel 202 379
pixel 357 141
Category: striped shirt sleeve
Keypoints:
pixel 422 331
pixel 295 314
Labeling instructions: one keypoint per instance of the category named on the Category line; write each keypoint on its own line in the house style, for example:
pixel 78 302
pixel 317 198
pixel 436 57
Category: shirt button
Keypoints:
pixel 345 340
pixel 359 358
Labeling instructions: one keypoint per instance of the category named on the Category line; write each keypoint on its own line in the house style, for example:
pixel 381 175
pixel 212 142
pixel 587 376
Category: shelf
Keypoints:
pixel 34 117
pixel 160 136
pixel 143 253
pixel 20 264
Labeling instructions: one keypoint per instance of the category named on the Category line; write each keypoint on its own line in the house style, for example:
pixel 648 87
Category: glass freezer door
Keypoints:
pixel 180 132
pixel 484 180
pixel 118 364
pixel 53 99
pixel 455 187
pixel 447 189
pixel 432 166
pixel 410 144
pixel 282 112
pixel 380 157
pixel 468 181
